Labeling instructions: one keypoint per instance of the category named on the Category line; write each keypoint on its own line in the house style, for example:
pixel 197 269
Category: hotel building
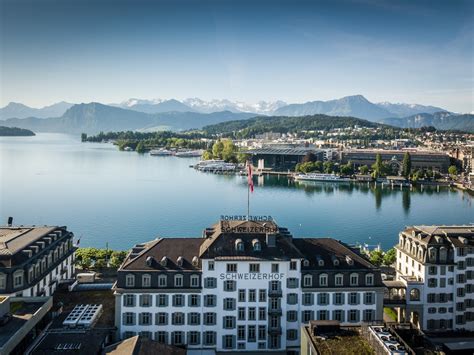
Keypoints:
pixel 245 285
pixel 435 265
pixel 33 260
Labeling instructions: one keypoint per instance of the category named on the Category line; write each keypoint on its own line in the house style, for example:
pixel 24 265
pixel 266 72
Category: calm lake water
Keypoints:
pixel 124 198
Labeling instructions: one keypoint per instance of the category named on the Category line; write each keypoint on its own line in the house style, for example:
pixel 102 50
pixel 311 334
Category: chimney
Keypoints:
pixel 10 221
pixel 271 240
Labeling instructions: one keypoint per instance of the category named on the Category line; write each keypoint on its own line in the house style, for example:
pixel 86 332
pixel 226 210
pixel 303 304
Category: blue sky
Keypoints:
pixel 111 50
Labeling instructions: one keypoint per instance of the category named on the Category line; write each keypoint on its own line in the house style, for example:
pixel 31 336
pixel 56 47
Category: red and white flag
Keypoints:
pixel 250 176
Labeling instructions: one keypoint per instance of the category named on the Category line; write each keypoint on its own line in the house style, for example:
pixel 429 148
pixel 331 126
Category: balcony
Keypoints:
pixel 274 330
pixel 275 293
pixel 277 311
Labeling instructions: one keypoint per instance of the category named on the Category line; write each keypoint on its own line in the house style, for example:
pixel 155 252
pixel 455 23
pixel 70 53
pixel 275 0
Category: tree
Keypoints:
pixel 406 165
pixel 217 149
pixel 377 167
pixel 347 169
pixel 452 170
pixel 328 167
pixel 140 148
pixel 83 137
pixel 207 155
pixel 390 257
pixel 310 157
pixel 376 257
pixel 229 151
pixel 364 169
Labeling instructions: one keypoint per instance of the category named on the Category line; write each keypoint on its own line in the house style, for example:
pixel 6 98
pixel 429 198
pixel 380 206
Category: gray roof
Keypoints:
pixel 283 151
pixel 15 239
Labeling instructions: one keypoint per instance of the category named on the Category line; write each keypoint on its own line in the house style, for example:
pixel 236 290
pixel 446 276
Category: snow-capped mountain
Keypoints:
pixel 132 102
pixel 404 110
pixel 260 107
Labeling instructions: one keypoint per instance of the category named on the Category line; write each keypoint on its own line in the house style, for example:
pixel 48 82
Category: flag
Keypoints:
pixel 249 176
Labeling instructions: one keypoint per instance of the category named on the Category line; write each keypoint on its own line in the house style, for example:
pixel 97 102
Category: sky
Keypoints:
pixel 296 51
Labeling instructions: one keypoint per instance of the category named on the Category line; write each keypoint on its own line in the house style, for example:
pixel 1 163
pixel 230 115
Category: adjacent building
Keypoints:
pixel 281 158
pixel 435 266
pixel 33 260
pixel 245 285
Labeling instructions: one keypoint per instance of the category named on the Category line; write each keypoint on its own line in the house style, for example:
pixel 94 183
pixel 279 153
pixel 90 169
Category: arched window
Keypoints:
pixel 18 278
pixel 195 280
pixel 162 281
pixel 146 280
pixel 432 254
pixel 354 279
pixel 443 254
pixel 369 279
pixel 323 280
pixel 257 246
pixel 306 262
pixel 307 280
pixel 239 245
pixel 130 280
pixel 339 279
pixel 414 294
pixel 178 280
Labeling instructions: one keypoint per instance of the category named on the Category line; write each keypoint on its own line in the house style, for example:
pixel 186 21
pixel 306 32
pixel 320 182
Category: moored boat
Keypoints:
pixel 161 152
pixel 321 177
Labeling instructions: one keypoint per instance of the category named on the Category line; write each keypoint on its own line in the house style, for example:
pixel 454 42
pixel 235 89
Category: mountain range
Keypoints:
pixel 135 114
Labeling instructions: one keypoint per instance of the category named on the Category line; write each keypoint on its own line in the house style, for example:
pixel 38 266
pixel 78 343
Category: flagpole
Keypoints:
pixel 248 202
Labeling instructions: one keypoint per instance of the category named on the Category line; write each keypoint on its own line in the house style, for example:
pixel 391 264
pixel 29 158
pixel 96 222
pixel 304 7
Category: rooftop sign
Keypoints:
pixel 246 218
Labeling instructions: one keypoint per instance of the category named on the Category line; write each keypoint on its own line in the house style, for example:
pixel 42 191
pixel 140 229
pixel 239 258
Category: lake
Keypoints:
pixel 123 198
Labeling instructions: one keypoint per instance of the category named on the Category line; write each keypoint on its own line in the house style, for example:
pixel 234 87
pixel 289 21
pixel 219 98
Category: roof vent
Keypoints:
pixel 349 260
pixel 164 261
pixel 195 261
pixel 150 261
pixel 180 261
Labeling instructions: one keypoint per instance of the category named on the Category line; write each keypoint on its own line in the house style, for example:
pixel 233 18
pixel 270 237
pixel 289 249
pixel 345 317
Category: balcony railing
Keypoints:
pixel 276 311
pixel 274 329
pixel 275 293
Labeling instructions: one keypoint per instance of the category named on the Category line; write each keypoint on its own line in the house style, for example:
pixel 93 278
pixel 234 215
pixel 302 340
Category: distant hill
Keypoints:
pixel 285 124
pixel 404 110
pixel 15 132
pixel 351 106
pixel 439 120
pixel 94 117
pixel 17 110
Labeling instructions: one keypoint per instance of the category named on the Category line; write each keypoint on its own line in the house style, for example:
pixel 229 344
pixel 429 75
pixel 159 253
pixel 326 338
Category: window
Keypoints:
pixel 291 334
pixel 252 313
pixel 323 299
pixel 292 316
pixel 262 313
pixel 146 280
pixel 262 295
pixel 257 246
pixel 432 270
pixel 230 285
pixel 241 332
pixel 178 318
pixel 241 313
pixel 210 282
pixel 368 315
pixel 145 318
pixel 339 280
pixel 228 322
pixel 178 300
pixel 293 265
pixel 432 282
pixel 231 267
pixel 229 304
pixel 145 301
pixel 431 310
pixel 161 318
pixel 354 279
pixel 178 281
pixel 323 315
pixel 194 280
pixel 251 336
pixel 252 295
pixel 162 300
pixel 161 337
pixel 193 338
pixel 307 280
pixel 210 265
pixel 129 318
pixel 177 338
pixel 431 297
pixel 209 318
pixel 292 282
pixel 254 267
pixel 194 318
pixel 242 295
pixel 338 298
pixel 209 338
pixel 162 281
pixel 275 268
pixel 368 298
pixel 369 279
pixel 323 280
pixel 130 280
pixel 353 299
pixel 353 315
pixel 338 315
pixel 193 300
pixel 292 298
pixel 308 299
pixel 210 300
pixel 229 339
pixel 306 316
pixel 129 300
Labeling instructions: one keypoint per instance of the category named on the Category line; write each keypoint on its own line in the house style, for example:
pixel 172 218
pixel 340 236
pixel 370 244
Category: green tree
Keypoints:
pixel 140 148
pixel 328 167
pixel 207 155
pixel 390 257
pixel 229 151
pixel 83 137
pixel 376 257
pixel 217 149
pixel 377 167
pixel 364 169
pixel 310 157
pixel 452 170
pixel 406 165
pixel 347 169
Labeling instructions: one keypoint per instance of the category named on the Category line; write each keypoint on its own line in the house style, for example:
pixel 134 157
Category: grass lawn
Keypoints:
pixel 391 313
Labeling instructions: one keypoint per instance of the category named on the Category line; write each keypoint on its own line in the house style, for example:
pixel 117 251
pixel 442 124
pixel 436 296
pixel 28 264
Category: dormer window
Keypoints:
pixel 349 261
pixel 320 260
pixel 335 261
pixel 195 261
pixel 149 261
pixel 306 262
pixel 257 246
pixel 164 261
pixel 239 245
pixel 180 261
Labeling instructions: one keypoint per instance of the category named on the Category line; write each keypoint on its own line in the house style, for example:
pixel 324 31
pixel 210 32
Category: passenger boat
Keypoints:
pixel 321 177
pixel 161 152
pixel 215 166
pixel 189 153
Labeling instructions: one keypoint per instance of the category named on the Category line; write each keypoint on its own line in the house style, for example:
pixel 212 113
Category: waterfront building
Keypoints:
pixel 436 161
pixel 33 260
pixel 282 158
pixel 435 267
pixel 245 285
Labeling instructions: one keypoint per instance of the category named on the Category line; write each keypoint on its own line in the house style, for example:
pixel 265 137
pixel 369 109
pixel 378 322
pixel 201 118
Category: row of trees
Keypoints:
pixel 94 258
pixel 379 257
pixel 225 149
